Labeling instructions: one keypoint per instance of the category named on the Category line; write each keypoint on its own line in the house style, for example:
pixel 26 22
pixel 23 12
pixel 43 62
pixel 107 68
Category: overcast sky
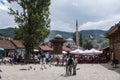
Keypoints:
pixel 91 14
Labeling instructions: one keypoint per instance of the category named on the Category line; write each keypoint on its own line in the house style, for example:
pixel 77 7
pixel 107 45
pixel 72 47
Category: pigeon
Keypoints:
pixel 30 67
pixel 45 67
pixel 49 65
pixel 0 77
pixel 0 70
pixel 41 68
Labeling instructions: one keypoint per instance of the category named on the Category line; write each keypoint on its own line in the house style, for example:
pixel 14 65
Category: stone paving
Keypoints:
pixel 50 72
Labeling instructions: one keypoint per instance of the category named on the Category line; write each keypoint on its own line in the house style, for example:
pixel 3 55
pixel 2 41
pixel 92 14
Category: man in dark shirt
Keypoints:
pixel 70 65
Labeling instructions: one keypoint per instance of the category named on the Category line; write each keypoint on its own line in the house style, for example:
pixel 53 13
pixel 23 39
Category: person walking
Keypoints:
pixel 74 66
pixel 58 60
pixel 66 65
pixel 70 65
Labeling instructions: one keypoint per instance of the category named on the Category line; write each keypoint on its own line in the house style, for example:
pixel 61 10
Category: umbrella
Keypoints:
pixel 94 51
pixel 1 49
pixel 64 52
pixel 77 51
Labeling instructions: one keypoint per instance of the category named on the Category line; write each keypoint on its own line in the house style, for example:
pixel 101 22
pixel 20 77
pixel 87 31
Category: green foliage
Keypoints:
pixel 8 32
pixel 33 22
pixel 74 37
pixel 87 44
pixel 80 40
pixel 105 43
pixel 100 40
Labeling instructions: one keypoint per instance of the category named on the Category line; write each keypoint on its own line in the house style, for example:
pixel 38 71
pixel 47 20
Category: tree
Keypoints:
pixel 87 44
pixel 80 40
pixel 74 37
pixel 33 22
pixel 105 43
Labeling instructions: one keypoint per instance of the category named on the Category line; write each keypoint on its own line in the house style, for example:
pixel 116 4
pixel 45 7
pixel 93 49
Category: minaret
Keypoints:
pixel 77 39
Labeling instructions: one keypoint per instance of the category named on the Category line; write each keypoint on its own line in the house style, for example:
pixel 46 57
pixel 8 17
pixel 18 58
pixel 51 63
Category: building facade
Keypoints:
pixel 12 45
pixel 113 34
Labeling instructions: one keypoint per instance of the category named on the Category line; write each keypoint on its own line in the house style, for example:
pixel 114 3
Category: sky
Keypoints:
pixel 91 14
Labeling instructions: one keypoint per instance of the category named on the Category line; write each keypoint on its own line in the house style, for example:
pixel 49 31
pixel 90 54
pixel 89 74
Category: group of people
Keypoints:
pixel 71 65
pixel 61 59
pixel 14 57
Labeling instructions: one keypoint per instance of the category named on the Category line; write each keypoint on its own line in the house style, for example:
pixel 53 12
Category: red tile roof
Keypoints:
pixel 6 44
pixel 66 49
pixel 18 44
pixel 45 48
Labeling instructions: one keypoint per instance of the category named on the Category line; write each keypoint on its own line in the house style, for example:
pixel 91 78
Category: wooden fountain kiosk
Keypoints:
pixel 57 44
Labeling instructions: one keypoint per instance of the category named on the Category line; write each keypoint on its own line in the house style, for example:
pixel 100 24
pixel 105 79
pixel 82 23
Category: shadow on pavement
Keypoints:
pixel 111 67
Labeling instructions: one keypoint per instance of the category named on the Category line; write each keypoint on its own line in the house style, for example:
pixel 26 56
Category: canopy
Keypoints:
pixel 36 50
pixel 64 52
pixel 2 49
pixel 77 51
pixel 86 52
pixel 92 52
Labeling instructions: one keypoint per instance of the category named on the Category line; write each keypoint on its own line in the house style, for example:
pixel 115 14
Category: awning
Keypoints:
pixel 36 50
pixel 1 49
pixel 77 51
pixel 64 52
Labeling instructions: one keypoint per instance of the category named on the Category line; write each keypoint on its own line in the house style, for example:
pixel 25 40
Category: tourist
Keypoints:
pixel 43 57
pixel 66 60
pixel 74 66
pixel 11 56
pixel 58 60
pixel 70 65
pixel 47 58
pixel 51 58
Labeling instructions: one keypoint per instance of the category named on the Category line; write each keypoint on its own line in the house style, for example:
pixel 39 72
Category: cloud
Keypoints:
pixel 91 14
pixel 83 9
pixel 6 20
pixel 3 8
pixel 4 5
pixel 102 24
pixel 62 26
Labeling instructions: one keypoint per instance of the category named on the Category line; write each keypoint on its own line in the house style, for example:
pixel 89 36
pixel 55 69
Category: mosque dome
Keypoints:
pixel 58 36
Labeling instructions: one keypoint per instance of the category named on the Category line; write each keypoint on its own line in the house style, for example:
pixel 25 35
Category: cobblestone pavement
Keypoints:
pixel 47 72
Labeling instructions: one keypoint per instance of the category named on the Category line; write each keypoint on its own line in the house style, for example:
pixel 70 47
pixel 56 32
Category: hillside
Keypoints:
pixel 53 33
pixel 8 32
pixel 96 34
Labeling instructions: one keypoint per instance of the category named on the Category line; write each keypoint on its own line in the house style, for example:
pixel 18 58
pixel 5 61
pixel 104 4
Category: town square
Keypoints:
pixel 59 40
